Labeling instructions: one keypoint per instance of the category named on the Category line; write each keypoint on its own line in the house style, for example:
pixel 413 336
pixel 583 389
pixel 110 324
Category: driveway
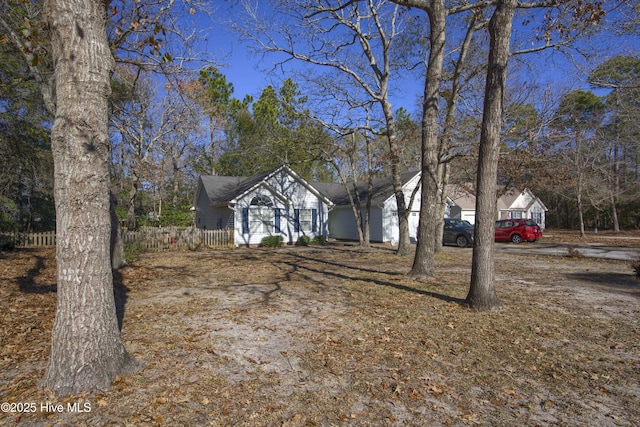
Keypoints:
pixel 592 250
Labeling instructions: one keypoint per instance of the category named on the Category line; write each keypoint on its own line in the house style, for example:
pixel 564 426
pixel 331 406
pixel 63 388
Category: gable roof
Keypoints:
pixel 507 200
pixel 223 189
pixel 382 189
pixel 461 196
pixel 227 189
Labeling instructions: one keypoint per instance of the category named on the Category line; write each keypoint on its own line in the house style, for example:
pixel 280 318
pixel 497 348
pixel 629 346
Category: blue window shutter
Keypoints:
pixel 245 220
pixel 296 220
pixel 314 220
pixel 277 220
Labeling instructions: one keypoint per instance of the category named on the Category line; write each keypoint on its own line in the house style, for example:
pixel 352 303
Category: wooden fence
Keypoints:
pixel 146 239
pixel 172 238
pixel 48 238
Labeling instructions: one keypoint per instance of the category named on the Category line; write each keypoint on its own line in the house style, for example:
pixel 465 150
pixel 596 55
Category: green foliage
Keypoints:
pixel 306 241
pixel 132 251
pixel 578 107
pixel 272 242
pixel 26 165
pixel 616 72
pixel 303 241
pixel 179 217
pixel 279 131
pixel 216 92
pixel 121 212
pixel 319 240
pixel 8 213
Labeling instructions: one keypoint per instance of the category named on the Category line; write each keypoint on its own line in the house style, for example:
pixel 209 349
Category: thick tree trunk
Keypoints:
pixel 86 349
pixel 482 294
pixel 424 259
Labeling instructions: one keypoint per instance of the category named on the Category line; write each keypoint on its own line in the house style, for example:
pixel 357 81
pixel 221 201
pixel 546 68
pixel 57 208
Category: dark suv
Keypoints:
pixel 457 232
pixel 517 230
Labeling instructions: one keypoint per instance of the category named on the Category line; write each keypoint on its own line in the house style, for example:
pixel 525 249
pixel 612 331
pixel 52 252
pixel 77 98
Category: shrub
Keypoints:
pixel 319 240
pixel 132 251
pixel 303 241
pixel 272 242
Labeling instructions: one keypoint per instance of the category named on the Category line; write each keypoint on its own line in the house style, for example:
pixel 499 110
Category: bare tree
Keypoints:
pixel 335 36
pixel 140 124
pixel 352 153
pixel 577 119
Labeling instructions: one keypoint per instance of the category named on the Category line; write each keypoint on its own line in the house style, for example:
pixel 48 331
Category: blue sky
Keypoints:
pixel 247 71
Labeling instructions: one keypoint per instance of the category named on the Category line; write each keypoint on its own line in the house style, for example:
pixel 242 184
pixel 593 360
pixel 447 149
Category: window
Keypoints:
pixel 537 217
pixel 261 200
pixel 260 216
pixel 516 215
pixel 306 220
pixel 260 220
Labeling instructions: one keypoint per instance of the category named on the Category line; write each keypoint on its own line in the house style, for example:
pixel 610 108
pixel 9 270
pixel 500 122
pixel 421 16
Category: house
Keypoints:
pixel 383 222
pixel 278 202
pixel 383 216
pixel 515 204
pixel 461 203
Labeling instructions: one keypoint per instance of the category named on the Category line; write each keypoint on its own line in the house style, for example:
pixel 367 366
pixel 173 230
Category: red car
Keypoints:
pixel 517 230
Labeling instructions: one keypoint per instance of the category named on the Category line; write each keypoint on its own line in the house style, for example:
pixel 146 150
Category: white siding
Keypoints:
pixel 537 213
pixel 391 231
pixel 468 216
pixel 287 194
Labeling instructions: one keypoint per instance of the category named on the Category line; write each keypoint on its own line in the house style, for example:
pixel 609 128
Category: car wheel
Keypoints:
pixel 462 242
pixel 516 238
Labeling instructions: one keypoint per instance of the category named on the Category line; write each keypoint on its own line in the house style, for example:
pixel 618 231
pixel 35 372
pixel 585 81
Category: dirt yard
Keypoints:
pixel 336 336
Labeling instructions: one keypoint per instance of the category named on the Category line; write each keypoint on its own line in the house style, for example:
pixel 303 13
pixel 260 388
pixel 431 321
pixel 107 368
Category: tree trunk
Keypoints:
pixel 86 349
pixel 404 241
pixel 212 143
pixel 131 208
pixel 117 244
pixel 616 188
pixel 441 209
pixel 583 232
pixel 482 294
pixel 424 259
pixel 614 214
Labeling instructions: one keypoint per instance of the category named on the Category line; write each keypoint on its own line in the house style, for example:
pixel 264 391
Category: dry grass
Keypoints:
pixel 339 336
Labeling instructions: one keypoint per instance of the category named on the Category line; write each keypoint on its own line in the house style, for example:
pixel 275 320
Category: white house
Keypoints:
pixel 383 217
pixel 515 204
pixel 461 203
pixel 278 202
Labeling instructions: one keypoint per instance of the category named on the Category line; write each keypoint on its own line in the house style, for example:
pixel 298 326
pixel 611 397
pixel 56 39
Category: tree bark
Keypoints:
pixel 117 243
pixel 482 294
pixel 424 259
pixel 131 208
pixel 86 349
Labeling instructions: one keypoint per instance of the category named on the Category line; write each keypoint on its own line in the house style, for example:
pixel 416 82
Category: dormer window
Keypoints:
pixel 261 200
